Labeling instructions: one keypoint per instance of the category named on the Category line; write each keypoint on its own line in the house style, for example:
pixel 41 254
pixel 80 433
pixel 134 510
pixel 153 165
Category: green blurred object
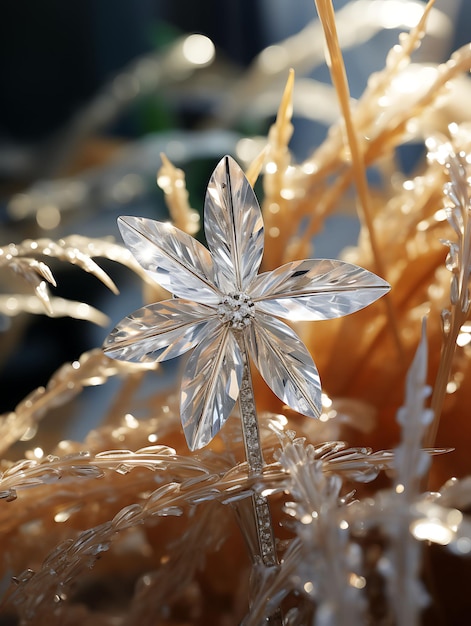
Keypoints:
pixel 153 115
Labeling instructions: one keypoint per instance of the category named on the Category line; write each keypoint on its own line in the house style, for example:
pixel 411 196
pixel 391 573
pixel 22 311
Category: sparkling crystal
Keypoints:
pixel 237 309
pixel 220 297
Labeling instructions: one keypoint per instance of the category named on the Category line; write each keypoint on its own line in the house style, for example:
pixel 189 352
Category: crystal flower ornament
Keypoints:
pixel 222 307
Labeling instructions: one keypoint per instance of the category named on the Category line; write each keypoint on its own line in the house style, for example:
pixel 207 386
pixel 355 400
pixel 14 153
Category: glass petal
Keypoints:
pixel 233 226
pixel 210 387
pixel 316 289
pixel 285 364
pixel 172 258
pixel 160 331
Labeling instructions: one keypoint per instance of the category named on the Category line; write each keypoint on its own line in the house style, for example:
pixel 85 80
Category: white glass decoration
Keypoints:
pixel 228 313
pixel 223 307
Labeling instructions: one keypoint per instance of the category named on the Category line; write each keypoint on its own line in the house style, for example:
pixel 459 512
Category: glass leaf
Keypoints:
pixel 210 386
pixel 172 258
pixel 286 365
pixel 316 289
pixel 233 226
pixel 160 331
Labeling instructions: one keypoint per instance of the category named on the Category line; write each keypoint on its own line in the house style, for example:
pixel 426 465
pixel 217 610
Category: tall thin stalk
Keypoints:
pixel 338 74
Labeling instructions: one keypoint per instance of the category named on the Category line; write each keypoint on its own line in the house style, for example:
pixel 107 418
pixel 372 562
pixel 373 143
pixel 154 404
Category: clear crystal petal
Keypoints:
pixel 172 258
pixel 161 331
pixel 286 365
pixel 233 226
pixel 316 289
pixel 210 386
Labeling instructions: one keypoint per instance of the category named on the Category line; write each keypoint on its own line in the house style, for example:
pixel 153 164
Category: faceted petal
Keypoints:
pixel 161 331
pixel 210 387
pixel 233 226
pixel 316 289
pixel 172 258
pixel 285 364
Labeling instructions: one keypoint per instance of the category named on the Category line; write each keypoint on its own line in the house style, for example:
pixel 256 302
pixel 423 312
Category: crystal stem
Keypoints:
pixel 254 455
pixel 253 452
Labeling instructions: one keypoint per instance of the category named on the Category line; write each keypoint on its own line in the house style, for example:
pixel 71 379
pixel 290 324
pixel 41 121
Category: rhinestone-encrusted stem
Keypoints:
pixel 255 462
pixel 253 450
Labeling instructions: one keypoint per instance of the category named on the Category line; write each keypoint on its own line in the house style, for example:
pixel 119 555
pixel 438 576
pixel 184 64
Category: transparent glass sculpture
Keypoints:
pixel 222 305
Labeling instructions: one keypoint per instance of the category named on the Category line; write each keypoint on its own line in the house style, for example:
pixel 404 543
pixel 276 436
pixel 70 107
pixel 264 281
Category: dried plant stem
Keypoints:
pixel 278 139
pixel 458 262
pixel 326 14
pixel 172 181
pixel 398 57
pixel 253 171
pixel 253 450
pixel 443 373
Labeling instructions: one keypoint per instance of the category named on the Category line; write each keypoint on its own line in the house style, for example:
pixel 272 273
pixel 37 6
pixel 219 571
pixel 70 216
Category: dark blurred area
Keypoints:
pixel 54 56
pixel 91 92
pixel 54 59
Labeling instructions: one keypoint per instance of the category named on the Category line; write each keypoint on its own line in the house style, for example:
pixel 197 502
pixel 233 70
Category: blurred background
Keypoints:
pixel 92 91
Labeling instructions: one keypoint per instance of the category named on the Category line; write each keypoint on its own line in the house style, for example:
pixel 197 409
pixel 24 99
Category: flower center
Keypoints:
pixel 237 309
